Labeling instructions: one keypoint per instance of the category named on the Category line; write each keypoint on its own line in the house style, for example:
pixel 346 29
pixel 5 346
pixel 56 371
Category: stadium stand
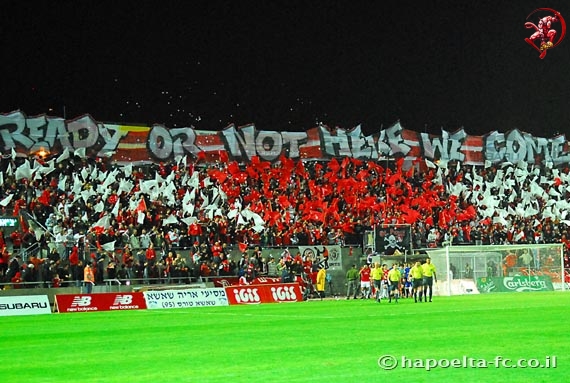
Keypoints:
pixel 130 222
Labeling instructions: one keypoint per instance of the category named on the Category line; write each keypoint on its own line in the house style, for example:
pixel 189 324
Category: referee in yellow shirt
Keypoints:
pixel 377 275
pixel 429 278
pixel 394 278
pixel 417 275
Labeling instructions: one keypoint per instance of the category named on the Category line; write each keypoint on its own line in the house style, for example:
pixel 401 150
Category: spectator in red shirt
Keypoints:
pixel 16 280
pixel 16 238
pixel 195 231
pixel 4 260
pixel 75 268
pixel 150 255
pixel 205 271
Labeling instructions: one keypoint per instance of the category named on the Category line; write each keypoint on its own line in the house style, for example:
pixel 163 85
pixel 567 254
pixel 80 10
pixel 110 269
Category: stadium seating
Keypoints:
pixel 211 208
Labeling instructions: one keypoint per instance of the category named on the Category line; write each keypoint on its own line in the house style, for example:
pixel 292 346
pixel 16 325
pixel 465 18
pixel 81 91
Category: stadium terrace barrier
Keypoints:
pixel 109 285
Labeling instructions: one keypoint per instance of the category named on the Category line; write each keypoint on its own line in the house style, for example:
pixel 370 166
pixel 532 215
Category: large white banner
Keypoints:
pixel 24 305
pixel 170 299
pixel 126 143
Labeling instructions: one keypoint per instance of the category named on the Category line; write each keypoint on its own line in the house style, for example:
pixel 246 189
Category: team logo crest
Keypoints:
pixel 550 24
pixel 334 254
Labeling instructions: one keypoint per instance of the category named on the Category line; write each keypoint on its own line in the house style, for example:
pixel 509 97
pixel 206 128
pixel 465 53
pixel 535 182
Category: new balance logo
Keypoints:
pixel 79 301
pixel 123 300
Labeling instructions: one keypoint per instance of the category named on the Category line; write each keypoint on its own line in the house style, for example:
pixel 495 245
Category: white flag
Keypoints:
pixel 24 171
pixel 63 156
pixel 79 152
pixel 6 200
pixel 102 222
pixel 99 207
pixel 189 220
pixel 109 246
pixel 115 210
pixel 170 220
pixel 128 170
pixel 61 183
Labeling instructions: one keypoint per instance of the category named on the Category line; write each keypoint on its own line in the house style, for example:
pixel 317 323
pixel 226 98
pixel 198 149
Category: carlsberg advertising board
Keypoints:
pixel 514 284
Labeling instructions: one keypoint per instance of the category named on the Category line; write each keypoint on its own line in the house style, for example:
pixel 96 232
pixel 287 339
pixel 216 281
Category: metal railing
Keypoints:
pixel 134 282
pixel 30 251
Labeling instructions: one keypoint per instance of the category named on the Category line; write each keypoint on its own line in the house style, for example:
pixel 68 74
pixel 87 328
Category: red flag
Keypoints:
pixel 318 168
pixel 409 215
pixel 356 162
pixel 242 247
pixel 333 165
pixel 283 201
pixel 44 198
pixel 241 177
pixel 301 169
pixel 141 207
pixel 286 163
pixel 233 168
pixel 331 177
pixel 362 175
pixel 314 215
pixel 345 163
pixel 399 164
pixel 217 174
pixel 274 217
pixel 377 168
pixel 223 156
pixel 347 227
pixel 284 177
pixel 267 192
pixel 252 172
pixel 471 212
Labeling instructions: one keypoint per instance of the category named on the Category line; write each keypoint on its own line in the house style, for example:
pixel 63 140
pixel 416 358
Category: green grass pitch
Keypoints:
pixel 316 341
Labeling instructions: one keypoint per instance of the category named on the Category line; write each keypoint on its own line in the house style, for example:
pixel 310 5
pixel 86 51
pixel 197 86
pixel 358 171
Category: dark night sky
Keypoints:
pixel 286 65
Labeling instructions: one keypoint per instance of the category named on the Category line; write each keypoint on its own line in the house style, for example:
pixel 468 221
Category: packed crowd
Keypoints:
pixel 130 221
